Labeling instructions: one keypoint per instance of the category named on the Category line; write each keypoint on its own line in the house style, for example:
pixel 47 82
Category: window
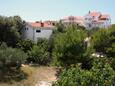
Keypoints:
pixel 38 31
pixel 89 25
pixel 26 28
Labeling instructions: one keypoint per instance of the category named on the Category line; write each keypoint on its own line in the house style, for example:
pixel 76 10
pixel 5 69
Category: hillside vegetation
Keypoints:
pixel 66 50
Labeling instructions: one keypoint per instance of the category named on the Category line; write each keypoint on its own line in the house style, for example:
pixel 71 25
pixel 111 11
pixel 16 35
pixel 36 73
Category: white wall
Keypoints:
pixel 31 34
pixel 28 33
pixel 44 33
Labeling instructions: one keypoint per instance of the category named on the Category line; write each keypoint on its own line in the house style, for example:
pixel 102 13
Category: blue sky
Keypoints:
pixel 34 10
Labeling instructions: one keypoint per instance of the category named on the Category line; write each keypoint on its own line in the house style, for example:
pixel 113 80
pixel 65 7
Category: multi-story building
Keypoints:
pixel 36 30
pixel 89 21
pixel 97 19
pixel 77 20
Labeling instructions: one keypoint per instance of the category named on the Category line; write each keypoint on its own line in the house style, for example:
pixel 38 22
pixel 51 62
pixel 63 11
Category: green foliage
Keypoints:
pixel 110 50
pixel 101 74
pixel 92 31
pixel 39 53
pixel 10 29
pixel 99 40
pixel 11 57
pixel 69 47
pixel 104 41
pixel 25 45
pixel 113 63
pixel 60 27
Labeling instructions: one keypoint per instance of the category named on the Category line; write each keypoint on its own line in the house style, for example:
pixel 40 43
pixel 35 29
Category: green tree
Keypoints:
pixel 60 27
pixel 10 29
pixel 110 50
pixel 99 40
pixel 69 47
pixel 101 74
pixel 104 41
pixel 39 52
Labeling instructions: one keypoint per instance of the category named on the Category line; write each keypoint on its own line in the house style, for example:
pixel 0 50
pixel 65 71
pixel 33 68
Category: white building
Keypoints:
pixel 89 21
pixel 36 30
pixel 77 20
pixel 97 19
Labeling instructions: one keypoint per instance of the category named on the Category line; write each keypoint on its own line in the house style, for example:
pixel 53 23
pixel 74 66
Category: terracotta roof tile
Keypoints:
pixel 41 24
pixel 104 16
pixel 95 14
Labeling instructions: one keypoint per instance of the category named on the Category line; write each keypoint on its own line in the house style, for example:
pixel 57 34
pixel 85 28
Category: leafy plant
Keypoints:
pixel 11 57
pixel 101 74
pixel 39 52
pixel 69 47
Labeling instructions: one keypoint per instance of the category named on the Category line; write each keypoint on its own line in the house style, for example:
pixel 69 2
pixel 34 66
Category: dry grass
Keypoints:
pixel 35 74
pixel 29 81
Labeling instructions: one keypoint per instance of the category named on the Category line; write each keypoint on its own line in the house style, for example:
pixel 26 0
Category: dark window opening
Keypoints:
pixel 26 28
pixel 38 31
pixel 89 25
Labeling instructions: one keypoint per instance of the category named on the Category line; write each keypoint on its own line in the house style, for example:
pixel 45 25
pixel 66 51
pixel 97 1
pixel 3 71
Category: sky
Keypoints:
pixel 35 10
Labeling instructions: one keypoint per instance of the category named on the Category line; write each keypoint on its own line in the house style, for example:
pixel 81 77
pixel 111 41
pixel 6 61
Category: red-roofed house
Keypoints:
pixel 36 30
pixel 89 21
pixel 97 19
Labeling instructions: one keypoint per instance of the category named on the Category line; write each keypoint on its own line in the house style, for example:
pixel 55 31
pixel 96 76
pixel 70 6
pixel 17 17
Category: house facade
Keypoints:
pixel 36 30
pixel 77 20
pixel 97 20
pixel 89 21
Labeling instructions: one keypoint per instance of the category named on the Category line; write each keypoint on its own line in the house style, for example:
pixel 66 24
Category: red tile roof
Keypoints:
pixel 33 24
pixel 95 14
pixel 104 16
pixel 40 24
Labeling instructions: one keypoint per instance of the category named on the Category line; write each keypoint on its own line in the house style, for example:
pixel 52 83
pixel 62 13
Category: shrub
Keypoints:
pixel 11 57
pixel 25 45
pixel 101 74
pixel 104 41
pixel 39 52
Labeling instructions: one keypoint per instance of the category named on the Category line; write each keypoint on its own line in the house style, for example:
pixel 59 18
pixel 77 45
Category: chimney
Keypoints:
pixel 42 24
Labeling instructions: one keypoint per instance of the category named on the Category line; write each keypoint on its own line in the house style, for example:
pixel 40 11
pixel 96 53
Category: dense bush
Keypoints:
pixel 110 50
pixel 100 40
pixel 69 47
pixel 60 27
pixel 39 52
pixel 10 57
pixel 104 41
pixel 101 74
pixel 25 45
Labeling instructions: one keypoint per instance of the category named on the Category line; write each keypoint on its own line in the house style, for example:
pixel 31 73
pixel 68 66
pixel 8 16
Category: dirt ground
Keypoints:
pixel 38 76
pixel 46 75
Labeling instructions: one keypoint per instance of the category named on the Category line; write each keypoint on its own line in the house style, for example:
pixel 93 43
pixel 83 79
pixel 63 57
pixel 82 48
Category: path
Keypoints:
pixel 46 75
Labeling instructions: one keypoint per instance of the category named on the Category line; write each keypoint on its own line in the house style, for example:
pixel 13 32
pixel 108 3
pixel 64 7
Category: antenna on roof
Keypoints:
pixel 89 12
